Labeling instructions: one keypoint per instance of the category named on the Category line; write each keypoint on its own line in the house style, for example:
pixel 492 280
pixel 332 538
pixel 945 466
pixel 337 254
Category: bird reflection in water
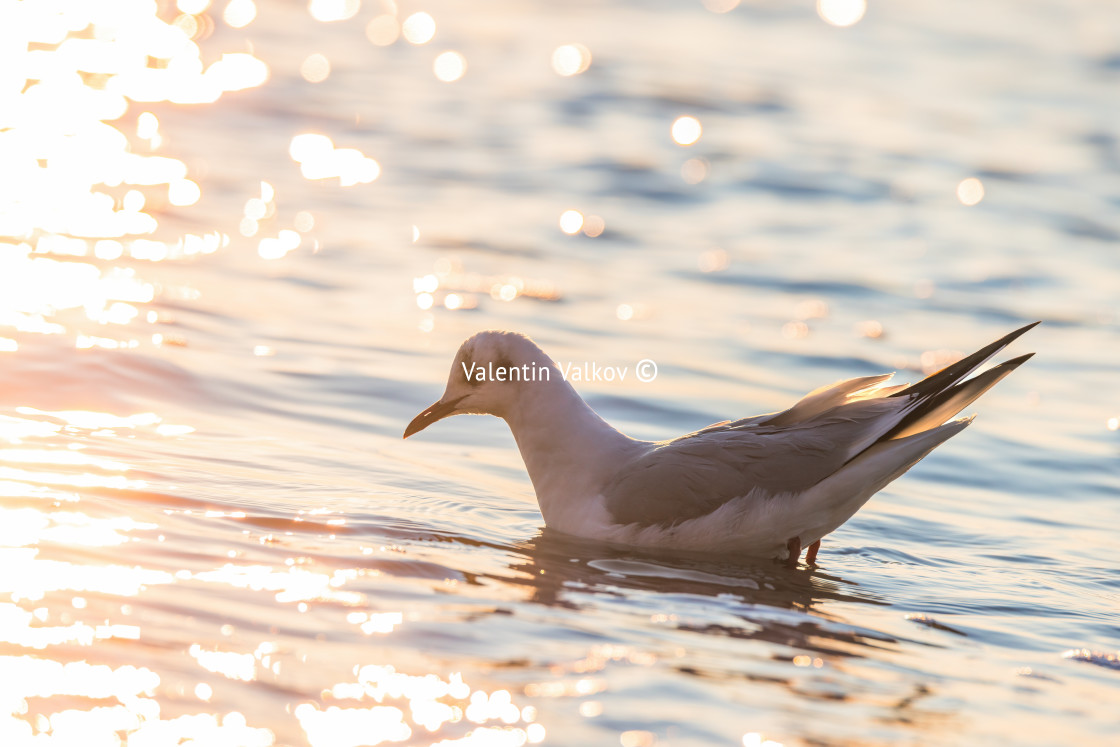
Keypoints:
pixel 810 649
pixel 562 569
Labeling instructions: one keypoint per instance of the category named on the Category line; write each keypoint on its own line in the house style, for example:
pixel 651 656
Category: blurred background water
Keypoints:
pixel 242 241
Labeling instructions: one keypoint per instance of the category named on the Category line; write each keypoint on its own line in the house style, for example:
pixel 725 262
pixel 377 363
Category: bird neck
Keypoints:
pixel 569 451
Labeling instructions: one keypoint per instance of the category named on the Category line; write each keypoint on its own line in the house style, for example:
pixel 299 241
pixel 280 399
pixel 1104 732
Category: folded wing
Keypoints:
pixel 789 452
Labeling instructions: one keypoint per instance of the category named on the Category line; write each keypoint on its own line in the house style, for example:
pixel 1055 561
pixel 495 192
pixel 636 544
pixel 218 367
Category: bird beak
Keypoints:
pixel 438 411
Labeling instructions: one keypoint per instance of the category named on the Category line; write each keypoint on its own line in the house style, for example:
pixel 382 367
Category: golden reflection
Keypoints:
pixel 183 192
pixel 20 527
pixel 319 159
pixel 16 627
pixel 285 242
pixel 1110 660
pixel 426 284
pixel 39 576
pixel 15 430
pixel 35 288
pixel 350 727
pixel 229 664
pixel 290 585
pixel 78 481
pixel 79 66
pixel 432 702
pixel 147 128
pixel 454 290
pixel 559 688
pixel 89 420
pixel 135 712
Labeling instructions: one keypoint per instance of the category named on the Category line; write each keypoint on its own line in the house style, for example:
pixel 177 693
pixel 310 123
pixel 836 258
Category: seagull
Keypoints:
pixel 763 486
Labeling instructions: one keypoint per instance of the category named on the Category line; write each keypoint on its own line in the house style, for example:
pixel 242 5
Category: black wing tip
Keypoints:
pixel 1012 336
pixel 1024 329
pixel 951 374
pixel 1016 362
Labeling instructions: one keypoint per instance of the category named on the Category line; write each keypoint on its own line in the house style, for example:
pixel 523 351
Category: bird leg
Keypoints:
pixel 811 554
pixel 794 547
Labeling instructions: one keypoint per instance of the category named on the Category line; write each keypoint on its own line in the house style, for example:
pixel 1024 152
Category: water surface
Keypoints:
pixel 213 331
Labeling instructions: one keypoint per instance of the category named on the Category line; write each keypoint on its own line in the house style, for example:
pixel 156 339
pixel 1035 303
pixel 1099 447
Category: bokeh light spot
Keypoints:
pixel 419 28
pixel 970 191
pixel 686 130
pixel 450 66
pixel 333 10
pixel 239 13
pixel 571 221
pixel 593 226
pixel 304 221
pixel 571 59
pixel 694 170
pixel 383 30
pixel 316 68
pixel 183 192
pixel 841 13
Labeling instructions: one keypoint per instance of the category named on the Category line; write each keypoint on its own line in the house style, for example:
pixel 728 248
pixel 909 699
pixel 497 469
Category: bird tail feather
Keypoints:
pixel 941 395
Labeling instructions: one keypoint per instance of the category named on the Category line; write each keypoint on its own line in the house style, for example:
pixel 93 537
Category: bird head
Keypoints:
pixel 486 377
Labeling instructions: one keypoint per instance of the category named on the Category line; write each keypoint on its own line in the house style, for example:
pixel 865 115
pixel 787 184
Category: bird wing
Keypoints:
pixel 791 451
pixel 693 475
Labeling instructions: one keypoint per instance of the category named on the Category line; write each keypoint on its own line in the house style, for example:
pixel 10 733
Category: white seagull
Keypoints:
pixel 765 486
